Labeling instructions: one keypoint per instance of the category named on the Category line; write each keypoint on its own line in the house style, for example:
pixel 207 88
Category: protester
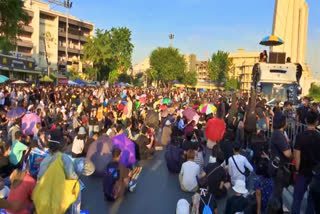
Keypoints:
pixel 116 179
pixel 17 150
pixel 189 173
pixel 238 165
pixel 145 144
pixel 79 143
pixel 305 160
pixel 237 203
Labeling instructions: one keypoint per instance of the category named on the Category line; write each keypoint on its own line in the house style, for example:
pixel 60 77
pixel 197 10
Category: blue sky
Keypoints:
pixel 200 26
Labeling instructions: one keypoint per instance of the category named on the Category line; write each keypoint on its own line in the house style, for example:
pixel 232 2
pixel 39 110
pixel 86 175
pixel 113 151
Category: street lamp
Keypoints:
pixel 171 37
pixel 67 4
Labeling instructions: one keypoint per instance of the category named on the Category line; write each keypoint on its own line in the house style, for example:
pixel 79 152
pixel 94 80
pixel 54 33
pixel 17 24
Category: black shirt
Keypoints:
pixel 215 178
pixel 302 113
pixel 308 143
pixel 278 145
pixel 92 109
pixel 142 142
pixel 236 204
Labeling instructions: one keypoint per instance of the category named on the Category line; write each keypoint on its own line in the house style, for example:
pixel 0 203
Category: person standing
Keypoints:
pixel 305 157
pixel 280 156
pixel 93 121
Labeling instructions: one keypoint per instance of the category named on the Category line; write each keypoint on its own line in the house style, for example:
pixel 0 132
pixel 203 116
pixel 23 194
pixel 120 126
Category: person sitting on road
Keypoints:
pixel 174 156
pixel 188 174
pixel 237 203
pixel 145 144
pixel 117 178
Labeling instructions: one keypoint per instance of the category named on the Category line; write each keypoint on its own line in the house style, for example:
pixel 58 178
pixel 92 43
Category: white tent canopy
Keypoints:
pixel 70 82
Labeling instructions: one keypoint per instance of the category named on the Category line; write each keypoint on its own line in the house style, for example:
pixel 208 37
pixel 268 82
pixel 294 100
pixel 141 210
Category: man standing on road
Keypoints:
pixel 305 154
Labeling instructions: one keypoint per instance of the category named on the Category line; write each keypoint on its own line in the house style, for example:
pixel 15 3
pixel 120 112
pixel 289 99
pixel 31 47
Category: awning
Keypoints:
pixel 26 71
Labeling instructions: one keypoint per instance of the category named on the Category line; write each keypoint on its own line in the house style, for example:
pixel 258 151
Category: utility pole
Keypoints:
pixel 171 37
pixel 67 4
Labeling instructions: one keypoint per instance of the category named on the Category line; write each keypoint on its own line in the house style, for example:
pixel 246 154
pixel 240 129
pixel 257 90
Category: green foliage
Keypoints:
pixel 168 63
pixel 314 92
pixel 219 66
pixel 113 77
pixel 124 78
pixel 12 17
pixel 232 83
pixel 190 78
pixel 109 50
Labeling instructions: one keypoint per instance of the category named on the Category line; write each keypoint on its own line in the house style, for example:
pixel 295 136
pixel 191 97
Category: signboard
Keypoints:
pixel 62 81
pixel 15 62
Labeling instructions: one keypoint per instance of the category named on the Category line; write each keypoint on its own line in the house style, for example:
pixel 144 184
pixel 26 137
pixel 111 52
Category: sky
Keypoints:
pixel 200 26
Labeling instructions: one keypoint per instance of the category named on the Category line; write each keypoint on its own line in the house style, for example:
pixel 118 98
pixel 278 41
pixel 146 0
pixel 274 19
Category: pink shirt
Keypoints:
pixel 23 192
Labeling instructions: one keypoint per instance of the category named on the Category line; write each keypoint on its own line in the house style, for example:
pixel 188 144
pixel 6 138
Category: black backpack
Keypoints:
pixel 110 178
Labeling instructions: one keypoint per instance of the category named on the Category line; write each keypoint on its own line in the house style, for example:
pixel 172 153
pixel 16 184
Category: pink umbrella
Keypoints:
pixel 29 121
pixel 191 114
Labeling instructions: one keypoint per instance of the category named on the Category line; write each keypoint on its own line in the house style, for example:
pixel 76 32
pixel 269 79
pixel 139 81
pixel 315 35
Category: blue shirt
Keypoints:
pixel 265 185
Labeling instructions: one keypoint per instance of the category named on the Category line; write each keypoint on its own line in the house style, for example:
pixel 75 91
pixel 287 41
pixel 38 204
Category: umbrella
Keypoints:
pixel 70 82
pixel 166 101
pixel 163 107
pixel 191 114
pixel 128 150
pixel 80 82
pixel 137 104
pixel 19 82
pixel 143 100
pixel 16 113
pixel 99 152
pixel 46 79
pixel 208 109
pixel 271 41
pixel 202 90
pixel 3 78
pixel 175 82
pixel 28 123
pixel 215 129
pixel 152 119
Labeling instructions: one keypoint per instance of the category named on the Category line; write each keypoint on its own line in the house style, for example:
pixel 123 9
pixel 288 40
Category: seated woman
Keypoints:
pixel 22 185
pixel 188 174
pixel 174 156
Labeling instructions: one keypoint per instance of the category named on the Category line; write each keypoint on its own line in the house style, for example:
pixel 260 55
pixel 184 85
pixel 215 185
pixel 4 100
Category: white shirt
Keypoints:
pixel 77 146
pixel 189 171
pixel 1 98
pixel 234 173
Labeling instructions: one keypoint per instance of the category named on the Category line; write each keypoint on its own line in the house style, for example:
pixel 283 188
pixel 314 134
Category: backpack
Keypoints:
pixel 206 208
pixel 112 175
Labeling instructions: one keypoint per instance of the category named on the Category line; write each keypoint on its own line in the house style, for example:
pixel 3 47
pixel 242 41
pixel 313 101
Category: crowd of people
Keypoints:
pixel 231 150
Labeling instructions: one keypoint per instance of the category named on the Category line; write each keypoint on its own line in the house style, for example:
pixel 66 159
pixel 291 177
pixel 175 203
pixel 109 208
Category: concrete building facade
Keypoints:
pixel 241 69
pixel 290 23
pixel 44 39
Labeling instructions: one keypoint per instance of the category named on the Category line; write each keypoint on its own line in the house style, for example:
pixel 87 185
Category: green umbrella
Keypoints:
pixel 46 79
pixel 166 101
pixel 3 78
pixel 137 104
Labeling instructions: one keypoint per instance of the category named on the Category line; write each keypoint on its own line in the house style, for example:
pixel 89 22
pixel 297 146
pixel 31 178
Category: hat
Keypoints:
pixel 168 123
pixel 183 207
pixel 82 131
pixel 240 187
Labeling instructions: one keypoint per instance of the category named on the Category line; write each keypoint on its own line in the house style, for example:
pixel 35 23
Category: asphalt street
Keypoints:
pixel 157 192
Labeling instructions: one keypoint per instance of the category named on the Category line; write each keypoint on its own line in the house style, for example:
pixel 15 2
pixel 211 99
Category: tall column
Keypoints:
pixel 304 32
pixel 295 31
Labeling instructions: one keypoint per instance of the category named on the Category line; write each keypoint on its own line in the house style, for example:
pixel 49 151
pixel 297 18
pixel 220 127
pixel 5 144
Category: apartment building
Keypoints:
pixel 44 38
pixel 241 69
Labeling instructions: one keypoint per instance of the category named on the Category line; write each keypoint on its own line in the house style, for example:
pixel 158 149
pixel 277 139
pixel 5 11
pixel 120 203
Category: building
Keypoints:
pixel 241 69
pixel 202 70
pixel 44 38
pixel 140 67
pixel 191 61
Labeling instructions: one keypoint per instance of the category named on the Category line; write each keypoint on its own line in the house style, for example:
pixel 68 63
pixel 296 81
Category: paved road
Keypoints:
pixel 157 192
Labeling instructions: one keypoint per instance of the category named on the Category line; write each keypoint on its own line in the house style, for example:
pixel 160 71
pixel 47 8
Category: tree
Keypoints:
pixel 109 50
pixel 169 64
pixel 232 83
pixel 190 78
pixel 124 78
pixel 314 92
pixel 113 77
pixel 12 18
pixel 219 66
pixel 152 75
pixel 47 41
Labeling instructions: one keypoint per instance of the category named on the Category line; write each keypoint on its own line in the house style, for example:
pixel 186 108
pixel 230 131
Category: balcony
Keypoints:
pixel 72 35
pixel 74 49
pixel 27 28
pixel 76 23
pixel 23 43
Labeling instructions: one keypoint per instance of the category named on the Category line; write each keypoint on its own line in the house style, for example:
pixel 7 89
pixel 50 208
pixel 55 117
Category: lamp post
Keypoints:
pixel 171 37
pixel 67 4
